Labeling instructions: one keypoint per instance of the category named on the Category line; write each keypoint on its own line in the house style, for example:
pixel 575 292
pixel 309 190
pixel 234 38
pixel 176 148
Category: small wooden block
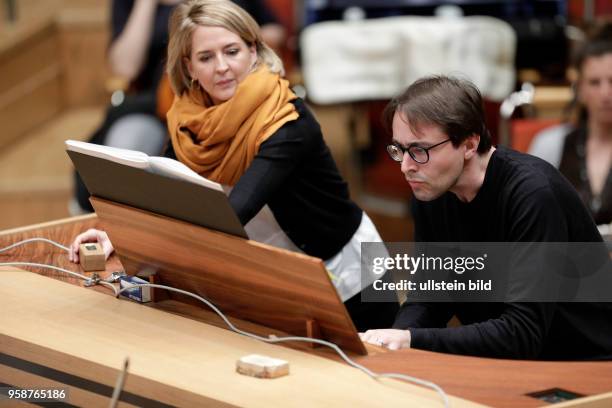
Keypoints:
pixel 255 365
pixel 313 331
pixel 91 257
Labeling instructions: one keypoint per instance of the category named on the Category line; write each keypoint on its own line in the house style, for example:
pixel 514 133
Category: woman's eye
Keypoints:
pixel 233 51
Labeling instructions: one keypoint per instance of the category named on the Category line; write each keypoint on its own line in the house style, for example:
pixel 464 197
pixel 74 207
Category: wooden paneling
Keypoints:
pixel 39 161
pixel 51 60
pixel 33 206
pixel 61 230
pixel 36 176
pixel 30 90
pixel 28 14
pixel 345 131
pixel 24 54
pixel 83 37
pixel 31 105
pixel 550 101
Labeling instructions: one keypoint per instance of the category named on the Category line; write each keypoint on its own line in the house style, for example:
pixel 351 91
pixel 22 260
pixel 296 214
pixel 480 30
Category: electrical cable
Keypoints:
pixel 25 241
pixel 57 268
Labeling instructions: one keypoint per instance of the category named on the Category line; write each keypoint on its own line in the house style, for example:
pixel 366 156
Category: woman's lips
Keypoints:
pixel 224 82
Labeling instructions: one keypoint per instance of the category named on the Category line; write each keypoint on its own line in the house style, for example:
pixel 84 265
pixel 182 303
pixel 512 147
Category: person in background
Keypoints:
pixel 235 121
pixel 583 153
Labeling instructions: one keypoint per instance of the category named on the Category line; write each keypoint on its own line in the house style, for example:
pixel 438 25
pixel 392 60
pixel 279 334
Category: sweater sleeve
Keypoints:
pixel 274 165
pixel 520 329
pixel 421 315
pixel 519 333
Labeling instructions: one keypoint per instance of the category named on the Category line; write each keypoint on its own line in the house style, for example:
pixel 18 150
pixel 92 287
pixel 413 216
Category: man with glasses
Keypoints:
pixel 466 190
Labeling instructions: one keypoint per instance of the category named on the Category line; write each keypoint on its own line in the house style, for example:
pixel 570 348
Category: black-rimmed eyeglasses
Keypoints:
pixel 418 153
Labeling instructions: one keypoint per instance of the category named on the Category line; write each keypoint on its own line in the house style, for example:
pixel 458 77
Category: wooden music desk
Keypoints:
pixel 179 361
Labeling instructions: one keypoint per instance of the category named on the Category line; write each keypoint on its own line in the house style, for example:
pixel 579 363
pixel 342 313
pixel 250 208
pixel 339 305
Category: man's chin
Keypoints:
pixel 425 195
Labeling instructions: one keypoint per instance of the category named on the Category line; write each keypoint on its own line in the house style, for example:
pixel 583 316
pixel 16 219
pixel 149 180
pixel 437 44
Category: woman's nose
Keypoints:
pixel 221 64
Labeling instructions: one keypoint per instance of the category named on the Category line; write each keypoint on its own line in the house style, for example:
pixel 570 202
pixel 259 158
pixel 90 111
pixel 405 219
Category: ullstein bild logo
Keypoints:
pixel 411 264
pixel 433 285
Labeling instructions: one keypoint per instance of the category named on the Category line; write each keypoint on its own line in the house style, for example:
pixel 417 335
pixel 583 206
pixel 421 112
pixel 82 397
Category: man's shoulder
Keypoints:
pixel 523 174
pixel 534 191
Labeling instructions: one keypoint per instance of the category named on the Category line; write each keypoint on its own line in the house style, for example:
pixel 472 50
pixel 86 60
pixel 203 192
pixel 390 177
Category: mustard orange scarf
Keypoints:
pixel 220 141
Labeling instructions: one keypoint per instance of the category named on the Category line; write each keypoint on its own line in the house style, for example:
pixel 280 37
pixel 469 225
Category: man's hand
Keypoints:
pixel 390 338
pixel 91 235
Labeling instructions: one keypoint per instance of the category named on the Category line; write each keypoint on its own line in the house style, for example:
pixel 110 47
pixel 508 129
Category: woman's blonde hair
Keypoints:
pixel 190 14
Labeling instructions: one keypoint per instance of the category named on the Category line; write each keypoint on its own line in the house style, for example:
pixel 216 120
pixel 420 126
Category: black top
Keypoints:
pixel 522 199
pixel 153 68
pixel 258 10
pixel 295 174
pixel 573 166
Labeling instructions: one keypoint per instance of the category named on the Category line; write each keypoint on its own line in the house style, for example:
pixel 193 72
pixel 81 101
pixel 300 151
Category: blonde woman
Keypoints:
pixel 235 120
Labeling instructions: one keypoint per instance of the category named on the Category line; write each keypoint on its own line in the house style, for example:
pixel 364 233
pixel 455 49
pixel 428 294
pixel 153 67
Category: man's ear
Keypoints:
pixel 471 145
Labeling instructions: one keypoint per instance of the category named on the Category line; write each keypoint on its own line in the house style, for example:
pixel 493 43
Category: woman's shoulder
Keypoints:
pixel 303 110
pixel 304 127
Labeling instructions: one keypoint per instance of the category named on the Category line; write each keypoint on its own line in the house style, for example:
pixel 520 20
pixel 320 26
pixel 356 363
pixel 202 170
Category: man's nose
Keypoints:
pixel 408 165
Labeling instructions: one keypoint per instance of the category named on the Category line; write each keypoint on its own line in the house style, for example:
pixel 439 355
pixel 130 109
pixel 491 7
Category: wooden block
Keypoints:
pixel 91 257
pixel 313 330
pixel 255 365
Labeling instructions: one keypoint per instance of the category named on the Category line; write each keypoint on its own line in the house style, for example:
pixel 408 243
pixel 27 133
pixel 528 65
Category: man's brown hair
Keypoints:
pixel 455 105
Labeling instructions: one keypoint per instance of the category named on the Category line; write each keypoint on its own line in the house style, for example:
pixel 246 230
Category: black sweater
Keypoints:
pixel 522 199
pixel 295 174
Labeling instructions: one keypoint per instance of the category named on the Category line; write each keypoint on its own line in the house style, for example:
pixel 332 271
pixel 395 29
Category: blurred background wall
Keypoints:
pixel 55 85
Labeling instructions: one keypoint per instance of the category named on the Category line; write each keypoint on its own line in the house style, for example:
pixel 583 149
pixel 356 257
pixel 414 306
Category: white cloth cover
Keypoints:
pixel 346 61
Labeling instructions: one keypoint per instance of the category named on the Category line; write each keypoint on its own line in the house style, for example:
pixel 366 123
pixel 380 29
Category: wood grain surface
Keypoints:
pixel 246 279
pixel 80 338
pixel 496 382
pixel 61 231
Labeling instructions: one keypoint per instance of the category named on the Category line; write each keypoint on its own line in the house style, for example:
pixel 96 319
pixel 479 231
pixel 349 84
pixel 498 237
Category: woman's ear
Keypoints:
pixel 253 54
pixel 189 66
